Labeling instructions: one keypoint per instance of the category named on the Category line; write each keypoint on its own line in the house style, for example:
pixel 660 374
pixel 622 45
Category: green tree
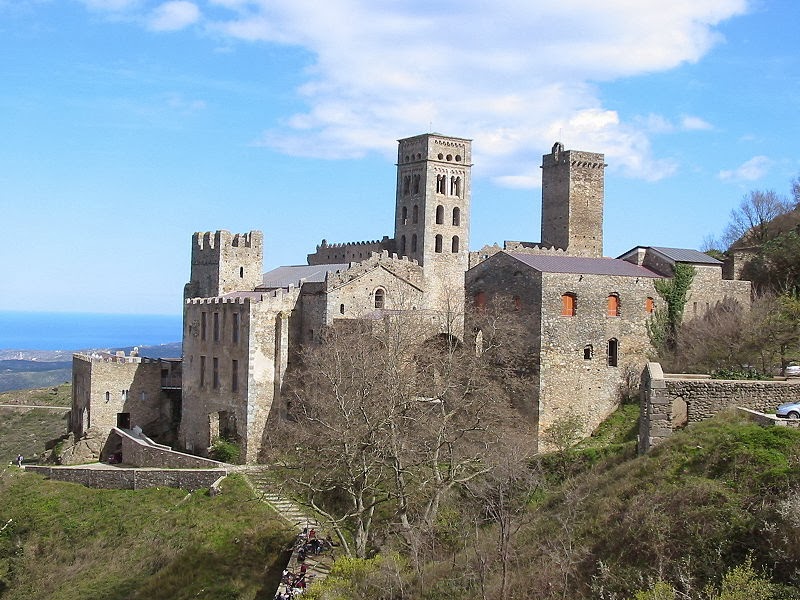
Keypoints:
pixel 664 325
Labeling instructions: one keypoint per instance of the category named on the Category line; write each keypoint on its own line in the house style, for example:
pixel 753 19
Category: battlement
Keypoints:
pixel 214 240
pixel 346 252
pixel 118 357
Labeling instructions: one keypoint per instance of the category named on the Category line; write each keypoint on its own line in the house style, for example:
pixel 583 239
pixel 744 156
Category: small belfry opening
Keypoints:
pixel 438 243
pixel 455 244
pixel 456 217
pixel 440 215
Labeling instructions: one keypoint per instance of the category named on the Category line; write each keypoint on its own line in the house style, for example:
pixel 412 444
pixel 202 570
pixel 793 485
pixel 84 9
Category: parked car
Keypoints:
pixel 790 410
pixel 793 370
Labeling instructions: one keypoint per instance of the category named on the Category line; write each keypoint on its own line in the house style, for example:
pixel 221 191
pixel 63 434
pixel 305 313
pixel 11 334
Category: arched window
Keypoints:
pixel 414 242
pixel 406 185
pixel 416 183
pixel 438 247
pixel 404 217
pixel 479 300
pixel 588 352
pixel 380 298
pixel 241 272
pixel 415 214
pixel 402 244
pixel 568 305
pixel 613 305
pixel 649 305
pixel 613 352
pixel 454 245
pixel 456 216
pixel 455 186
pixel 341 309
pixel 441 184
pixel 440 215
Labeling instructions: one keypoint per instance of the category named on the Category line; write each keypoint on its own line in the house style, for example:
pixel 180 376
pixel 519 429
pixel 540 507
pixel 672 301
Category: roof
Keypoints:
pixel 291 275
pixel 686 255
pixel 582 265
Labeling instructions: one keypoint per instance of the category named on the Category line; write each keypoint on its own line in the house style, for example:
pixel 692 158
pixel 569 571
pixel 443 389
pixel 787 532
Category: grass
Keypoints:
pixel 25 431
pixel 65 541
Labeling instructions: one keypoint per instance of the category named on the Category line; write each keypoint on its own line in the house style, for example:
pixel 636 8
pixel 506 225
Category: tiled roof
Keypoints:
pixel 686 255
pixel 582 265
pixel 291 275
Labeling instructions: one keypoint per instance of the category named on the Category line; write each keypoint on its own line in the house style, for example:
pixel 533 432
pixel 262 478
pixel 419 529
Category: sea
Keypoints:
pixel 82 331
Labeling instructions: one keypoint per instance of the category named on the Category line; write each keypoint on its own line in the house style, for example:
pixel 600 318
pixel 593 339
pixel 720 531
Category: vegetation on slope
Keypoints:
pixel 25 431
pixel 65 541
pixel 716 502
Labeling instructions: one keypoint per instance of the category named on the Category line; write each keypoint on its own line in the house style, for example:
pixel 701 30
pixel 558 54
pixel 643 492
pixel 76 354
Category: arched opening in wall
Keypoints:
pixel 108 396
pixel 455 186
pixel 415 214
pixel 613 352
pixel 441 184
pixel 456 216
pixel 569 303
pixel 440 215
pixel 406 185
pixel 588 352
pixel 416 183
pixel 438 243
pixel 454 245
pixel 241 272
pixel 402 244
pixel 649 305
pixel 613 305
pixel 413 242
pixel 341 309
pixel 404 215
pixel 380 298
pixel 517 302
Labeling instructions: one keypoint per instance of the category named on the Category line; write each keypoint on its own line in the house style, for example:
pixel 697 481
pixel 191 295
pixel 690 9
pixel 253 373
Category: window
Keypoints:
pixel 404 214
pixel 613 305
pixel 416 183
pixel 341 309
pixel 440 215
pixel 588 352
pixel 479 300
pixel 108 396
pixel 216 326
pixel 202 371
pixel 143 396
pixel 568 305
pixel 203 325
pixel 215 373
pixel 241 272
pixel 517 302
pixel 455 186
pixel 613 352
pixel 380 298
pixel 402 244
pixel 649 305
pixel 234 375
pixel 235 329
pixel 441 184
pixel 456 216
pixel 414 243
pixel 454 244
pixel 406 185
pixel 438 243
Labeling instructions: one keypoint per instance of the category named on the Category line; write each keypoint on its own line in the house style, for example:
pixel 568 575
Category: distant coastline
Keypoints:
pixel 54 331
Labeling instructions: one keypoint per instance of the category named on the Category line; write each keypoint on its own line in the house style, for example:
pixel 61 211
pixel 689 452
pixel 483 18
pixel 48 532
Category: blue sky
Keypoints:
pixel 129 124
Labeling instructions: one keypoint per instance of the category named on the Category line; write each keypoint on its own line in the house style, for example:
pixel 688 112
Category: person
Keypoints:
pixel 19 460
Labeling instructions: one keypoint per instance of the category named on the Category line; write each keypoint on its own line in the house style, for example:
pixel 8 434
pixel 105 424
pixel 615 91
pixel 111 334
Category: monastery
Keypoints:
pixel 585 314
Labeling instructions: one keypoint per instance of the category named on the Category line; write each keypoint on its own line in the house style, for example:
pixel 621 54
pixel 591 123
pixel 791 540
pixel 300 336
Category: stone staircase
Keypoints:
pixel 318 566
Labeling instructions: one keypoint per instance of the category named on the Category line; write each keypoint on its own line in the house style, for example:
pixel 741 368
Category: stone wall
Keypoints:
pixel 119 478
pixel 668 402
pixel 349 251
pixel 139 453
pixel 223 262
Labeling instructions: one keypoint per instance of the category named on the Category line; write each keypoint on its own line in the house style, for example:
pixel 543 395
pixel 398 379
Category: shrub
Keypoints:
pixel 224 451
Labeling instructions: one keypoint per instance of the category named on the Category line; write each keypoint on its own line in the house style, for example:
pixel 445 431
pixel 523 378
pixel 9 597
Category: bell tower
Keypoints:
pixel 432 210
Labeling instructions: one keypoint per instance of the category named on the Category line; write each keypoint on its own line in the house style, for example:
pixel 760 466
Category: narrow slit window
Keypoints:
pixel 613 352
pixel 438 244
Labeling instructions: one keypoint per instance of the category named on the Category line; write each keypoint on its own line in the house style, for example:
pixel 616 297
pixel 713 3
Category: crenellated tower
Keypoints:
pixel 572 201
pixel 432 210
pixel 224 262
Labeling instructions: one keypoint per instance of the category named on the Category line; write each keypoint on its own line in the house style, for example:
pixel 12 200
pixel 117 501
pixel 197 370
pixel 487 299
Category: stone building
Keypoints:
pixel 585 315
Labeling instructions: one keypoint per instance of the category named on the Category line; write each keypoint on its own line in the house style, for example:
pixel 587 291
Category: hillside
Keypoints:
pixel 717 497
pixel 62 541
pixel 26 430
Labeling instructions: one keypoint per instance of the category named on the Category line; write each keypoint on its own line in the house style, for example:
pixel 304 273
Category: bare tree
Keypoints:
pixel 749 223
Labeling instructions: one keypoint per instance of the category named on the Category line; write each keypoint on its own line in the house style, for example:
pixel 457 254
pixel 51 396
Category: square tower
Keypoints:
pixel 572 201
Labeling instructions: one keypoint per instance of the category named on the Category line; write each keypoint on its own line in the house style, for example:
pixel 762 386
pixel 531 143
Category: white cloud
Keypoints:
pixel 174 15
pixel 512 74
pixel 751 170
